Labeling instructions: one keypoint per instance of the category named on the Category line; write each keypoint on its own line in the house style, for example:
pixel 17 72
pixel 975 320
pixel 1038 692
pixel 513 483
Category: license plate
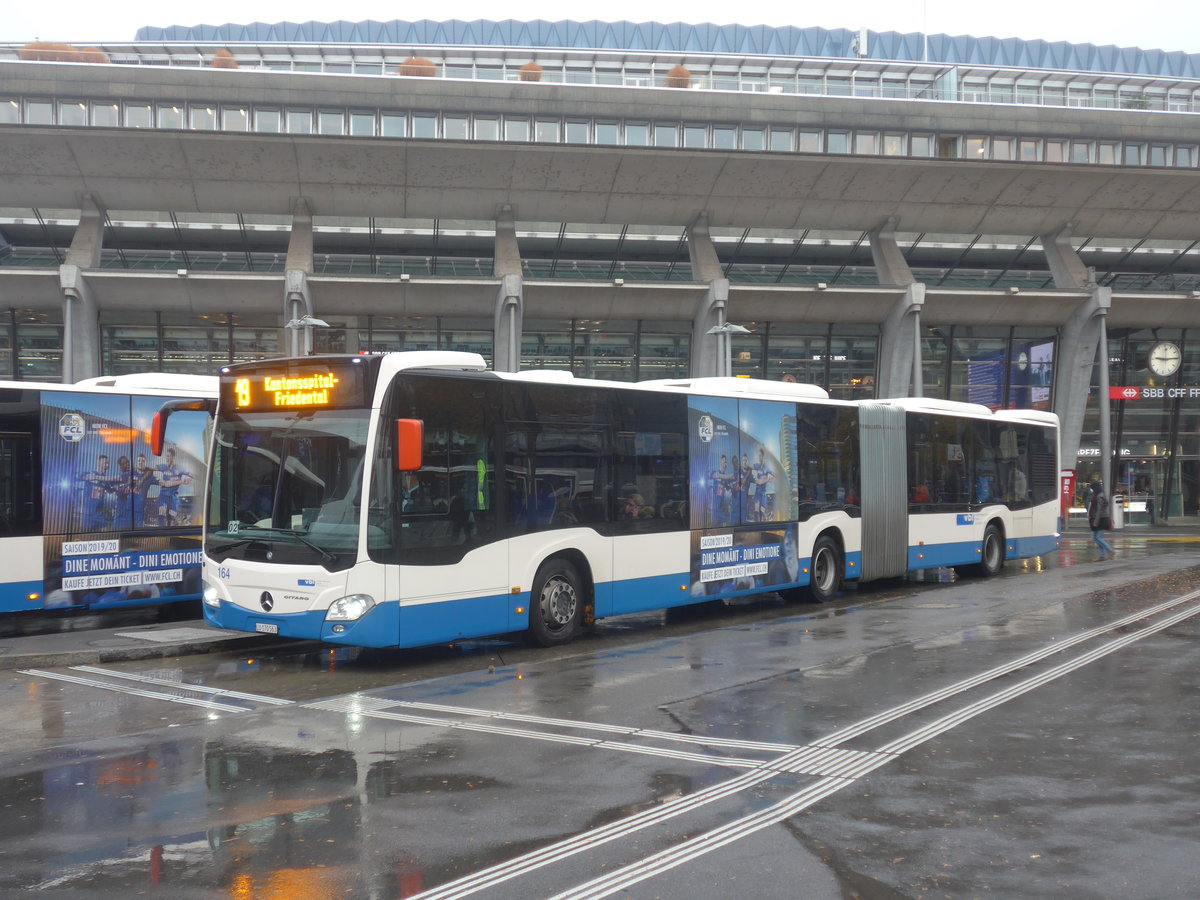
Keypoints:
pixel 266 627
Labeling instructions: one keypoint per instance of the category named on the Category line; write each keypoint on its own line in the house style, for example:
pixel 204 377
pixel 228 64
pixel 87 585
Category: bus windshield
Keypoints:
pixel 285 488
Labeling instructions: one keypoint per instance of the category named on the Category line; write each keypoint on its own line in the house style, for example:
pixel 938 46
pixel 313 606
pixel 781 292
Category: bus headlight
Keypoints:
pixel 350 608
pixel 211 595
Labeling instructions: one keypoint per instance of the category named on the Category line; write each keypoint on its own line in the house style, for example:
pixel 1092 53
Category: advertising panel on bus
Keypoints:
pixel 120 523
pixel 743 475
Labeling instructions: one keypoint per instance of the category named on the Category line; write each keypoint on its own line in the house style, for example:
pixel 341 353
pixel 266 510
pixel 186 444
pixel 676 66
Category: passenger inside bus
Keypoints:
pixel 636 508
pixel 415 496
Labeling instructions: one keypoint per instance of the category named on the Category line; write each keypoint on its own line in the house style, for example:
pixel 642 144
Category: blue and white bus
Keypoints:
pixel 90 516
pixel 413 498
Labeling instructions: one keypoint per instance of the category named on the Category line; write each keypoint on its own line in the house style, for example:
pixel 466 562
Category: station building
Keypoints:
pixel 1013 223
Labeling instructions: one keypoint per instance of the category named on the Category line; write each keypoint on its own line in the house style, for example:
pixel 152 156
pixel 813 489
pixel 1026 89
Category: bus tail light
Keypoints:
pixel 410 435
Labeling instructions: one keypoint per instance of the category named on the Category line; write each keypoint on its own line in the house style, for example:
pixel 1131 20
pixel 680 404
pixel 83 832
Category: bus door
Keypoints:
pixel 556 477
pixel 1013 477
pixel 453 579
pixel 21 548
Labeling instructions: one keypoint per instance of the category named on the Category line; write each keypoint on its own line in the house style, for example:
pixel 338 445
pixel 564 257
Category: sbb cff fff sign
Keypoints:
pixel 1129 392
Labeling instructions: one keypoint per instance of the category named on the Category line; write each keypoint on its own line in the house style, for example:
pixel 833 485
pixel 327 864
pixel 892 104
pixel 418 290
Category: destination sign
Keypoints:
pixel 262 389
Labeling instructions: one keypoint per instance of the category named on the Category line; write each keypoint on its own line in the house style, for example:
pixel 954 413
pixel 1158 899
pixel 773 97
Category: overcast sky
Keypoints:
pixel 1151 24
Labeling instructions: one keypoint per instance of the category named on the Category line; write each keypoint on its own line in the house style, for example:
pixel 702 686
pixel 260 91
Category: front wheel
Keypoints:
pixel 825 572
pixel 991 553
pixel 556 604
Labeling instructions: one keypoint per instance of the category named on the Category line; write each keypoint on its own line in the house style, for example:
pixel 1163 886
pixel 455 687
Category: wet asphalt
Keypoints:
pixel 1013 737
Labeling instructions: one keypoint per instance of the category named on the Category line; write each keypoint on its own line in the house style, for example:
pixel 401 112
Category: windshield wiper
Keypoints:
pixel 290 532
pixel 298 535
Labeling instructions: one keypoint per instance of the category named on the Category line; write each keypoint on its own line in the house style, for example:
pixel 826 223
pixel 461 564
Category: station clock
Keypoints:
pixel 1165 358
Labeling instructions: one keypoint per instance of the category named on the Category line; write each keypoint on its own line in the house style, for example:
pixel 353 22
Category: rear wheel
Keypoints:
pixel 556 604
pixel 991 553
pixel 825 572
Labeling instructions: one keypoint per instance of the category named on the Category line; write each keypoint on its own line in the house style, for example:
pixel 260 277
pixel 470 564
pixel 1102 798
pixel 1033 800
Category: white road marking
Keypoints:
pixel 136 692
pixel 897 712
pixel 796 761
pixel 183 685
pixel 350 705
pixel 597 726
pixel 658 863
pixel 837 768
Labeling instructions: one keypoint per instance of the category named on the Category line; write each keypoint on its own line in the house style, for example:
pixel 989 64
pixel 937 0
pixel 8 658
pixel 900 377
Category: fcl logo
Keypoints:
pixel 72 427
pixel 705 429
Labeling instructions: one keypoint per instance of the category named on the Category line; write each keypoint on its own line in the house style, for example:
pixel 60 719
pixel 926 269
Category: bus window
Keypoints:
pixel 938 464
pixel 438 512
pixel 1043 462
pixel 20 512
pixel 1013 465
pixel 981 451
pixel 828 458
pixel 556 476
pixel 651 467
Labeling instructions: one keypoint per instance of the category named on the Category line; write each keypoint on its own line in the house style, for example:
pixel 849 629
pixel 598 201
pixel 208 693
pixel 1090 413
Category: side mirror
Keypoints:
pixel 158 432
pixel 158 426
pixel 410 438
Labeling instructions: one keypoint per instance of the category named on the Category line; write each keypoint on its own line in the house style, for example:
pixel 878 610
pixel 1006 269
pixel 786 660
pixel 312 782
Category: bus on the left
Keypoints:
pixel 91 517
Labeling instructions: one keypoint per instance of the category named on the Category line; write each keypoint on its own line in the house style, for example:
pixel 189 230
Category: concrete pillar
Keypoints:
pixel 297 303
pixel 890 264
pixel 1082 340
pixel 510 298
pixel 297 298
pixel 706 266
pixel 81 318
pixel 710 352
pixel 901 368
pixel 300 241
pixel 1067 269
pixel 900 371
pixel 1080 337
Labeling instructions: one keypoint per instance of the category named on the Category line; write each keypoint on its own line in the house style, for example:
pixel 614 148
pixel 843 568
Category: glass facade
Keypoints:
pixel 611 350
pixel 1155 431
pixel 270 118
pixel 1000 367
pixel 31 344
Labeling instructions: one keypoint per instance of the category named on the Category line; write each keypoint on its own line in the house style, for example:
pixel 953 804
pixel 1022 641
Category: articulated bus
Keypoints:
pixel 413 498
pixel 90 516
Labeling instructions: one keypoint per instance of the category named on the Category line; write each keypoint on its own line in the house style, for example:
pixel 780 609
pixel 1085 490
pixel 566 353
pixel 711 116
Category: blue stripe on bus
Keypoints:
pixel 390 625
pixel 378 628
pixel 14 596
pixel 387 624
pixel 452 620
pixel 1032 546
pixel 930 556
pixel 965 553
pixel 632 595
